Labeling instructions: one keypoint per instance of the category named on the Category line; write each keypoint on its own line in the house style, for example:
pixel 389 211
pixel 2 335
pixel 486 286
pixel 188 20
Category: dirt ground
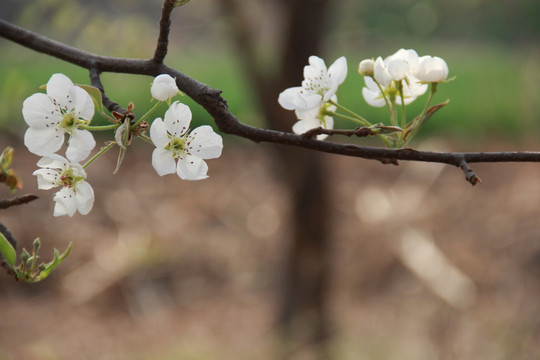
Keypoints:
pixel 425 266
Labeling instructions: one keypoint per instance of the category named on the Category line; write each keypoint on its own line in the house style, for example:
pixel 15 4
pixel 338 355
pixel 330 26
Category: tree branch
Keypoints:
pixel 164 28
pixel 217 107
pixel 19 200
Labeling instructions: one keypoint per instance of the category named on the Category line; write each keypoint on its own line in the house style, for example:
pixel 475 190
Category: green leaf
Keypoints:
pixel 7 251
pixel 58 259
pixel 95 94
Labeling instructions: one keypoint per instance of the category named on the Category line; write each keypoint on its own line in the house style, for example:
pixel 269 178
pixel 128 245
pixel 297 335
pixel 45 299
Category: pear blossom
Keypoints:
pixel 63 110
pixel 394 77
pixel 432 69
pixel 174 142
pixel 315 118
pixel 164 87
pixel 319 85
pixel 365 68
pixel 75 194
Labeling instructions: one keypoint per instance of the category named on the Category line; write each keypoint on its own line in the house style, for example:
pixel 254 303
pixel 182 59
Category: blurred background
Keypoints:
pixel 283 253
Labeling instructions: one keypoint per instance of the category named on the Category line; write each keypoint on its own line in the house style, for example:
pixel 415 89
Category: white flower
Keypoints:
pixel 164 87
pixel 432 69
pixel 62 110
pixel 75 193
pixel 315 118
pixel 318 87
pixel 173 141
pixel 365 68
pixel 397 69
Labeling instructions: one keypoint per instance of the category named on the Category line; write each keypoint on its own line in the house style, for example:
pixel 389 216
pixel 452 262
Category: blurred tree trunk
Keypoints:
pixel 303 316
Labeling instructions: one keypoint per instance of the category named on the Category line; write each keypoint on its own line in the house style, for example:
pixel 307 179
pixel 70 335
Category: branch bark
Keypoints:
pixel 216 106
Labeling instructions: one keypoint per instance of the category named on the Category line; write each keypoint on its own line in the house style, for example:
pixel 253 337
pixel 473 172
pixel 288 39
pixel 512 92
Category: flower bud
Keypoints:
pixel 164 87
pixel 366 67
pixel 36 244
pixel 432 69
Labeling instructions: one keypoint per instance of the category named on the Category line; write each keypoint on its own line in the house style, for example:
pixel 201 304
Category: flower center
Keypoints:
pixel 68 121
pixel 178 146
pixel 68 179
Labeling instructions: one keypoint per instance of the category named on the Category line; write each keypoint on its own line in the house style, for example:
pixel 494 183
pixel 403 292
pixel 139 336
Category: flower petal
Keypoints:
pixel 205 143
pixel 81 143
pixel 40 112
pixel 287 97
pixel 177 119
pixel 83 103
pixel 59 88
pixel 163 87
pixel 338 71
pixel 158 134
pixel 43 141
pixel 191 168
pixel 66 203
pixel 84 196
pixel 163 162
pixel 373 98
pixel 53 161
pixel 46 178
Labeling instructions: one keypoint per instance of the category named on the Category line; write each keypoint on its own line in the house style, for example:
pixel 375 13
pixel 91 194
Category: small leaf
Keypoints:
pixel 7 251
pixel 95 94
pixel 58 259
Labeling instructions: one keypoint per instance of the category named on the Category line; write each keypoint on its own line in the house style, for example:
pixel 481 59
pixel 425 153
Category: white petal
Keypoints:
pixel 83 103
pixel 309 101
pixel 380 73
pixel 158 134
pixel 46 178
pixel 66 203
pixel 84 196
pixel 287 97
pixel 205 143
pixel 177 119
pixel 40 112
pixel 315 69
pixel 58 88
pixel 191 168
pixel 163 87
pixel 81 143
pixel 53 161
pixel 432 69
pixel 373 98
pixel 163 162
pixel 43 141
pixel 338 71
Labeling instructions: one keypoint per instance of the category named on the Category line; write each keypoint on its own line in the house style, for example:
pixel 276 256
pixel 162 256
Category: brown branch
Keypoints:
pixel 363 131
pixel 95 80
pixel 19 200
pixel 164 29
pixel 216 106
pixel 4 231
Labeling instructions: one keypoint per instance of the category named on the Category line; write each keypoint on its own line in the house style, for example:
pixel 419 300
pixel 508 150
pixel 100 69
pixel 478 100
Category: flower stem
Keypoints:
pixel 147 114
pixel 99 127
pixel 433 90
pixel 101 152
pixel 354 116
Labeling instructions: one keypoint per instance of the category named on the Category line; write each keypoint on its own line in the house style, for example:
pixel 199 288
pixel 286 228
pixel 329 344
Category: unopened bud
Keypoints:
pixel 366 67
pixel 37 245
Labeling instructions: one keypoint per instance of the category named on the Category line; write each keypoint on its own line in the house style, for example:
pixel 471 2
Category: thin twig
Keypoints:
pixel 95 80
pixel 164 29
pixel 362 131
pixel 4 231
pixel 217 107
pixel 470 175
pixel 19 200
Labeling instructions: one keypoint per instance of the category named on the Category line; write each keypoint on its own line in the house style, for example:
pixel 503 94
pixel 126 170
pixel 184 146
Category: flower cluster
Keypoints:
pixel 315 99
pixel 68 109
pixel 395 81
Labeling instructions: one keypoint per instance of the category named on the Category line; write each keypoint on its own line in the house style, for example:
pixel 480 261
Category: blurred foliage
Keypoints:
pixel 491 48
